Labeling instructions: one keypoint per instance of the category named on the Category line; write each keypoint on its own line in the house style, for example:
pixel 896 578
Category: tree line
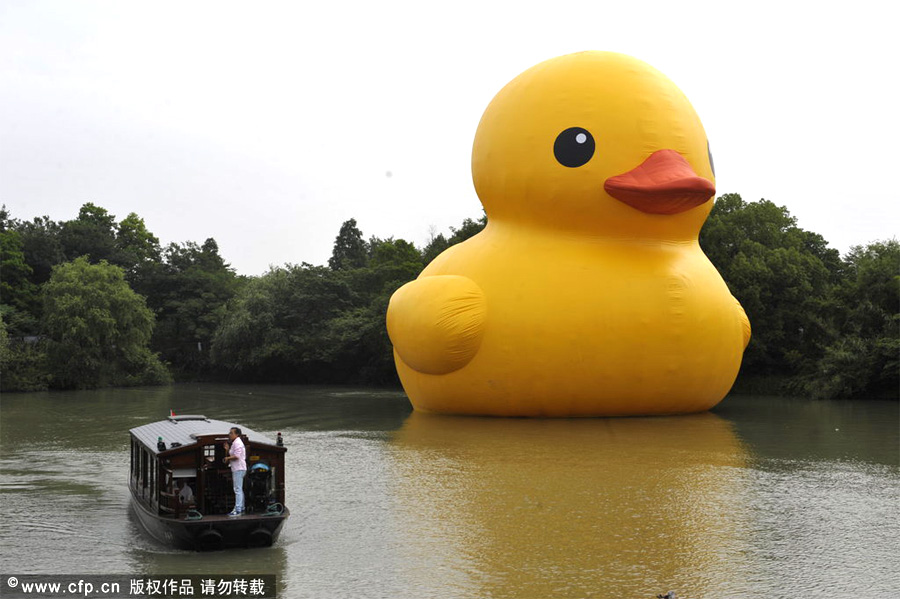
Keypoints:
pixel 94 302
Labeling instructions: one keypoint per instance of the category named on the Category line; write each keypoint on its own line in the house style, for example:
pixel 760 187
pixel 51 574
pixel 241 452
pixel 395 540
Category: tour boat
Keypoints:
pixel 181 487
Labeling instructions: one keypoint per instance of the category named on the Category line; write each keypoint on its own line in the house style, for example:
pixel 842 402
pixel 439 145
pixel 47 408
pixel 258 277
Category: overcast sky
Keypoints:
pixel 266 125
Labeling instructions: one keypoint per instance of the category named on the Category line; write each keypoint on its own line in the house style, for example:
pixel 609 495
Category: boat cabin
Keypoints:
pixel 178 469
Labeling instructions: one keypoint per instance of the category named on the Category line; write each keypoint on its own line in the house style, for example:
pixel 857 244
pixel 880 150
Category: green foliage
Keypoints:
pixel 97 328
pixel 188 292
pixel 870 287
pixel 856 367
pixel 433 249
pixel 92 234
pixel 864 358
pixel 825 325
pixel 315 324
pixel 393 263
pixel 23 367
pixel 829 325
pixel 4 343
pixel 23 364
pixel 42 246
pixel 135 246
pixel 439 243
pixel 16 289
pixel 469 228
pixel 349 248
pixel 95 234
pixel 362 333
pixel 187 286
pixel 277 325
pixel 780 273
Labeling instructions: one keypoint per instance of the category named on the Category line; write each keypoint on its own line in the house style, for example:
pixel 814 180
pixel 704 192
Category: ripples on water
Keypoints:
pixel 765 498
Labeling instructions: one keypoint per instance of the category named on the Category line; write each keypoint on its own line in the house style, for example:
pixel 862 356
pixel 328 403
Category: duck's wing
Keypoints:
pixel 436 323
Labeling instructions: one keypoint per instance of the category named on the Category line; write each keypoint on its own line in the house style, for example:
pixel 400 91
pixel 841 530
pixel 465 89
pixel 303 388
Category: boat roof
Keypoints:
pixel 186 429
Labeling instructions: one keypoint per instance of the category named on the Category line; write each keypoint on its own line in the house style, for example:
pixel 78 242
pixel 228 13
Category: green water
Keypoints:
pixel 763 497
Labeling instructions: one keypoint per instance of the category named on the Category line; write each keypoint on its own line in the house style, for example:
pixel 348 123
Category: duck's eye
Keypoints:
pixel 711 164
pixel 574 147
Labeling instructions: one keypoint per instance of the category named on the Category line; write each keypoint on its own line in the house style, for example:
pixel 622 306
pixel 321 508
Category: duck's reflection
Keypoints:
pixel 540 508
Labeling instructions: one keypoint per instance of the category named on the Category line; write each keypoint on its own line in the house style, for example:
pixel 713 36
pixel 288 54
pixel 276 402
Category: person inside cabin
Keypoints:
pixel 237 460
pixel 186 495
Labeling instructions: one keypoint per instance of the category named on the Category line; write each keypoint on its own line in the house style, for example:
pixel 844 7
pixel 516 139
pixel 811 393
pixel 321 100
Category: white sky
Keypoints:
pixel 266 125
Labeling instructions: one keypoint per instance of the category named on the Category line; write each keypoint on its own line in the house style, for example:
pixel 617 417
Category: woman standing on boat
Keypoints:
pixel 237 460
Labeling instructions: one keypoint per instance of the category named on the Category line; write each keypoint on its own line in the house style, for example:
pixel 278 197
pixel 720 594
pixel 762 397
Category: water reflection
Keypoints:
pixel 530 508
pixel 795 431
pixel 770 498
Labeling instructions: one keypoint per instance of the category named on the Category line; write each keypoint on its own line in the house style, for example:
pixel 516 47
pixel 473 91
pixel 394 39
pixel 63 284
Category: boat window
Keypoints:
pixel 138 471
pixel 209 454
pixel 144 470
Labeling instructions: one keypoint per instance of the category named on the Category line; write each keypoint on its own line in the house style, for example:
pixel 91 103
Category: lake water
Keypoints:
pixel 763 497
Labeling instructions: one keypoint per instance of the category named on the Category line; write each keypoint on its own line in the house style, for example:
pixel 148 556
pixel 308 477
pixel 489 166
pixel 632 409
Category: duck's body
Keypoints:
pixel 572 302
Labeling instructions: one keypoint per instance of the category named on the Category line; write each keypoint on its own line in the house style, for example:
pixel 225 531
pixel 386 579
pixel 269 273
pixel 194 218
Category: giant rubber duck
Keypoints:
pixel 587 293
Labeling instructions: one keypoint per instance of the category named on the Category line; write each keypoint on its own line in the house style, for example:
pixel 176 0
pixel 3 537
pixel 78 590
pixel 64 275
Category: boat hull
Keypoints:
pixel 211 533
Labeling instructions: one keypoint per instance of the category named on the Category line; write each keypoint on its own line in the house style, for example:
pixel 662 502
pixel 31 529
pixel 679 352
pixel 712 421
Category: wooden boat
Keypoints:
pixel 189 451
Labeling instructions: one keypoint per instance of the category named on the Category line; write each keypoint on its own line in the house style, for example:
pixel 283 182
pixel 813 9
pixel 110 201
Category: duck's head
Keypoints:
pixel 597 143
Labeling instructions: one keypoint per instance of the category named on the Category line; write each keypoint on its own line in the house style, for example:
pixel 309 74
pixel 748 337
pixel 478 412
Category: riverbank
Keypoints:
pixel 788 387
pixel 770 385
pixel 760 385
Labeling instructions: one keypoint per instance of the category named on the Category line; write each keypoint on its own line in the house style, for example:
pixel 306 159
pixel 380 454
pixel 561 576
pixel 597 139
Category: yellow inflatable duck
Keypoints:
pixel 587 293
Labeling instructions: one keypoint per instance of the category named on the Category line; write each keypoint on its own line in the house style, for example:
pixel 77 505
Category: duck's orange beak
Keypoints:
pixel 663 184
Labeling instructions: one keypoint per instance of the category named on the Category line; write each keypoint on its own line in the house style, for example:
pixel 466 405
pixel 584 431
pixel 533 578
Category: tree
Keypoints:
pixel 42 246
pixel 276 327
pixel 16 289
pixel 468 228
pixel 98 329
pixel 781 274
pixel 315 324
pixel 23 363
pixel 4 348
pixel 434 247
pixel 187 292
pixel 864 358
pixel 358 337
pixel 438 243
pixel 135 246
pixel 349 248
pixel 394 262
pixel 92 234
pixel 871 281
